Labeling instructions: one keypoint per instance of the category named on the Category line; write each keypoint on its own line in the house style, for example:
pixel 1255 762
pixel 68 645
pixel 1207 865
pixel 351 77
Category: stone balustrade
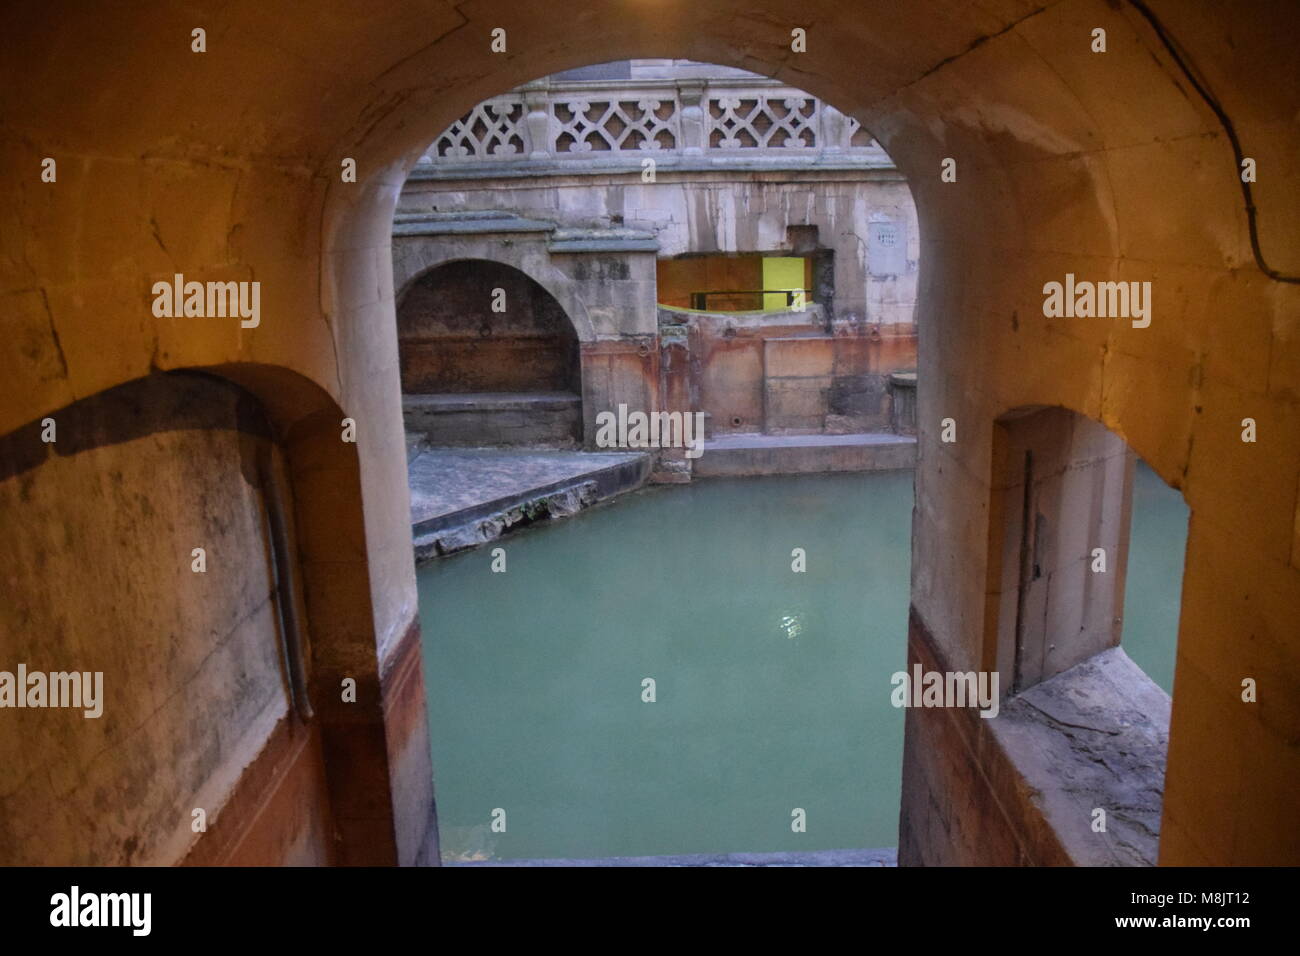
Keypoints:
pixel 584 125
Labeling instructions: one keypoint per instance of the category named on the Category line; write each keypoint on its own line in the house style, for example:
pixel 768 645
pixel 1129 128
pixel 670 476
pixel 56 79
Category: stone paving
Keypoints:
pixel 445 481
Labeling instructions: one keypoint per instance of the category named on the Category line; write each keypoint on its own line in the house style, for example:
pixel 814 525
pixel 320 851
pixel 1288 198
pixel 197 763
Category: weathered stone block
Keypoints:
pixel 799 357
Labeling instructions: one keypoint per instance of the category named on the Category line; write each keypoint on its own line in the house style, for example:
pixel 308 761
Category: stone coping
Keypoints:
pixel 436 225
pixel 490 222
pixel 542 168
pixel 603 245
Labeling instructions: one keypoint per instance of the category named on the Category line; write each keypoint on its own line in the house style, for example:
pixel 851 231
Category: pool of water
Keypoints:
pixel 771 687
pixel 1153 582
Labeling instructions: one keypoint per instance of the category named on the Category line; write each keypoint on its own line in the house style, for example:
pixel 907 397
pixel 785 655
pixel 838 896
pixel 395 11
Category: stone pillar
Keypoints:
pixel 618 371
pixel 673 465
pixel 537 123
pixel 693 121
pixel 832 130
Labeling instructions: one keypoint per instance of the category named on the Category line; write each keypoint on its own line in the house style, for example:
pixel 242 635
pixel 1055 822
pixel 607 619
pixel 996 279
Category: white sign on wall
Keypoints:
pixel 886 248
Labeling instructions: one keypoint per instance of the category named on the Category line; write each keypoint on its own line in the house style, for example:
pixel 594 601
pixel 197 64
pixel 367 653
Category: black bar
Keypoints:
pixel 254 907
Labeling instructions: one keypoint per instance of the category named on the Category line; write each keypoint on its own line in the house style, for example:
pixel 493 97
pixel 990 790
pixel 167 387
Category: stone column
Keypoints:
pixel 693 121
pixel 537 123
pixel 832 129
pixel 673 465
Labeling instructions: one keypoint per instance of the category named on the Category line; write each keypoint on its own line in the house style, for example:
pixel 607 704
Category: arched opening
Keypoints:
pixel 1064 161
pixel 238 650
pixel 1083 725
pixel 754 265
pixel 488 357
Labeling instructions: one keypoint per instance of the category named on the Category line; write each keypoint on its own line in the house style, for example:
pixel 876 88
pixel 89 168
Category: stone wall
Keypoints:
pixel 597 285
pixel 456 334
pixel 551 419
pixel 194 685
pixel 1022 789
pixel 855 227
pixel 787 373
pixel 1062 487
pixel 864 219
pixel 1106 166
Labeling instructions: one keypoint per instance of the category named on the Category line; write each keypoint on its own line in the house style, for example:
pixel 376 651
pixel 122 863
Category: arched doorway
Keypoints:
pixel 1054 168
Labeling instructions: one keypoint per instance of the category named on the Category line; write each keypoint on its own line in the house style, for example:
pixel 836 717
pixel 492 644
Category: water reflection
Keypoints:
pixel 792 624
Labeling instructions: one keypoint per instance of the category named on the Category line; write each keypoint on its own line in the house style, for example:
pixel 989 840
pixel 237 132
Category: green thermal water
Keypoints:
pixel 772 687
pixel 1153 584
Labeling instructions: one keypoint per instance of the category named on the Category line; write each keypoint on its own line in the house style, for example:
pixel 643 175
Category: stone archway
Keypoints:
pixel 488 357
pixel 217 493
pixel 414 259
pixel 1067 161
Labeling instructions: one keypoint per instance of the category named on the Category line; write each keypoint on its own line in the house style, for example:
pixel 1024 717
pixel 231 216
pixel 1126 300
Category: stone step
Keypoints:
pixel 495 418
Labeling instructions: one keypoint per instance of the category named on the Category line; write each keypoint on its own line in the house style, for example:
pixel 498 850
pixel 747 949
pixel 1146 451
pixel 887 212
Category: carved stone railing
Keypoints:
pixel 595 125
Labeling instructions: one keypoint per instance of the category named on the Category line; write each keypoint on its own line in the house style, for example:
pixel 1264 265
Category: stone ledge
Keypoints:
pixel 741 455
pixel 460 224
pixel 561 503
pixel 1095 735
pixel 514 169
pixel 1028 779
pixel 447 402
pixel 505 490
